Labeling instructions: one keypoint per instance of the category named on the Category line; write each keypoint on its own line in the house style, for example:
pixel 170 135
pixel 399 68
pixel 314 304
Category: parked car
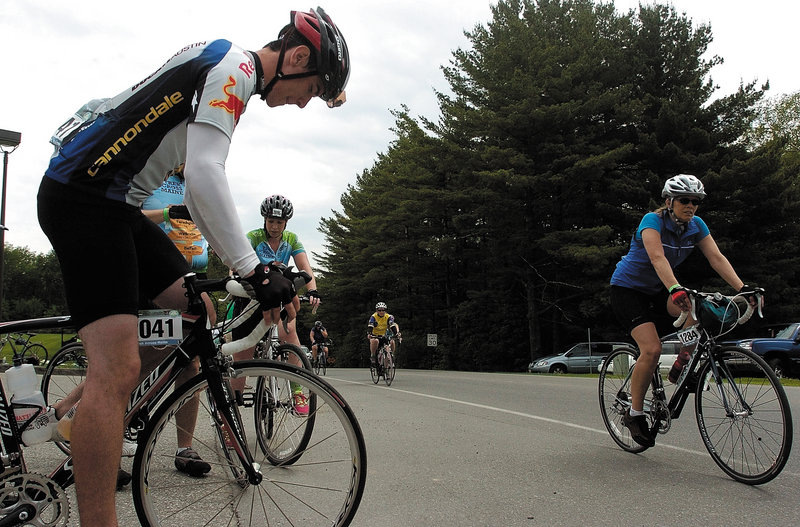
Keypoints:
pixel 670 345
pixel 781 353
pixel 580 358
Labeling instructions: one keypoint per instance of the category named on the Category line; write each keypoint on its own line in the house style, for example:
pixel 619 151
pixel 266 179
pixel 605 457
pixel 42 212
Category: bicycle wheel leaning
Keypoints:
pixel 324 489
pixel 35 354
pixel 615 396
pixel 744 420
pixel 63 374
pixel 282 431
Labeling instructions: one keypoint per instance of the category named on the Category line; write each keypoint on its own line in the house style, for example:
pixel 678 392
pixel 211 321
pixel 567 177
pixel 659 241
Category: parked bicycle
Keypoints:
pixel 384 360
pixel 327 487
pixel 740 405
pixel 21 346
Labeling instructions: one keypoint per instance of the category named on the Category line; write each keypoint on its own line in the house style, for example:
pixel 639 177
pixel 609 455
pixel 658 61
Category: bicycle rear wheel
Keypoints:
pixel 35 354
pixel 324 489
pixel 64 373
pixel 750 438
pixel 615 396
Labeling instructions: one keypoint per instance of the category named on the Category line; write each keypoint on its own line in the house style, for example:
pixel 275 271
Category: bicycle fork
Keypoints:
pixel 225 418
pixel 721 373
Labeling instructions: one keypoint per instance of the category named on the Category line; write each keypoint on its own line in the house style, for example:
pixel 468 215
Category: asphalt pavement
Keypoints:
pixel 482 449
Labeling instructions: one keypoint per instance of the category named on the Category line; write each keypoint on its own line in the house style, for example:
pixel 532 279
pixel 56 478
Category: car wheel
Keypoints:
pixel 777 367
pixel 558 368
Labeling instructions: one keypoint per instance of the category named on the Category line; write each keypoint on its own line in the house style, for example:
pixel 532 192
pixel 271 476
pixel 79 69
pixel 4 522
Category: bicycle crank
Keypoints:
pixel 33 499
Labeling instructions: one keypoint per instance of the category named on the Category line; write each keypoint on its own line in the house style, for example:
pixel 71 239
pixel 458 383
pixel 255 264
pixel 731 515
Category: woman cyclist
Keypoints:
pixel 646 296
pixel 273 243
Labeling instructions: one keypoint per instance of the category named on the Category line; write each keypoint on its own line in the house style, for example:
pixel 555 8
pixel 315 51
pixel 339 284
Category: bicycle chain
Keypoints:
pixel 45 496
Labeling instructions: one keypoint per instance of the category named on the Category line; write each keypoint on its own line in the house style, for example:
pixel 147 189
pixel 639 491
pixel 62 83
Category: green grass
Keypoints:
pixel 51 341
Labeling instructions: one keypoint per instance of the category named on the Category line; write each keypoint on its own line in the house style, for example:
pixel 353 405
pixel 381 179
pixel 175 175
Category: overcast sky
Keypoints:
pixel 58 55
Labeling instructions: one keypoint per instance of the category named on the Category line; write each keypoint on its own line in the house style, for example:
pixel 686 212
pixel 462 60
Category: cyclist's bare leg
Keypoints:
pixel 373 348
pixel 314 353
pixel 111 345
pixel 290 337
pixel 649 344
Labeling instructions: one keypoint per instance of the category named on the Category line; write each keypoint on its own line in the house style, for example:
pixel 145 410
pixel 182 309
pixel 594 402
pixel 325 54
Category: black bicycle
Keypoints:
pixel 320 364
pixel 740 405
pixel 325 489
pixel 384 361
pixel 21 346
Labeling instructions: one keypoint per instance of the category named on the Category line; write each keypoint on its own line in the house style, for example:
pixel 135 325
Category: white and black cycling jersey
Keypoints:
pixel 122 148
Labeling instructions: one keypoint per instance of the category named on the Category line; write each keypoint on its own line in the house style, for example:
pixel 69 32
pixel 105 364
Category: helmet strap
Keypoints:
pixel 279 75
pixel 679 223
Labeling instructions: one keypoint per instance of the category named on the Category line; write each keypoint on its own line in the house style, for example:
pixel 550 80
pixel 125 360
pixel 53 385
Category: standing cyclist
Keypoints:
pixel 379 323
pixel 184 112
pixel 646 296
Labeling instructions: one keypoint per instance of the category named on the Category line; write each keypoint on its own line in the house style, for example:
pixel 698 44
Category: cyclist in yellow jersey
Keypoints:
pixel 379 323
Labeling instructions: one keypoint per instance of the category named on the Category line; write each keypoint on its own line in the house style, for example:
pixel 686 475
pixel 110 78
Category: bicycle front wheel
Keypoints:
pixel 284 412
pixel 615 396
pixel 324 489
pixel 743 416
pixel 323 359
pixel 388 371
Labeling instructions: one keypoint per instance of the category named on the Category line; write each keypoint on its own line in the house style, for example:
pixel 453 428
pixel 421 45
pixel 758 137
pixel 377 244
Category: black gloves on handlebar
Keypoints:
pixel 179 212
pixel 278 290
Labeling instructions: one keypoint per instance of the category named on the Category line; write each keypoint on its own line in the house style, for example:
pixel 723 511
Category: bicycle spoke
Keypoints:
pixel 744 419
pixel 322 488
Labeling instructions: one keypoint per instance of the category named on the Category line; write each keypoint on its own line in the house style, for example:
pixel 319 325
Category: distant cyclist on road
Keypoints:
pixel 646 296
pixel 377 327
pixel 318 336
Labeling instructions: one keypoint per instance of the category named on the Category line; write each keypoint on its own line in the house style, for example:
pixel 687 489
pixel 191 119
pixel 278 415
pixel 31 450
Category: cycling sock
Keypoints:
pixel 634 413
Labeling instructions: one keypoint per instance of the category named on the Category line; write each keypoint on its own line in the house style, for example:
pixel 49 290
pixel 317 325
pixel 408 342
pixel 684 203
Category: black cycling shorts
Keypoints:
pixel 634 308
pixel 109 252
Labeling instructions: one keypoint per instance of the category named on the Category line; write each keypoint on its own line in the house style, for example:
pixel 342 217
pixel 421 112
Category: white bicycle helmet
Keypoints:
pixel 380 305
pixel 683 185
pixel 277 206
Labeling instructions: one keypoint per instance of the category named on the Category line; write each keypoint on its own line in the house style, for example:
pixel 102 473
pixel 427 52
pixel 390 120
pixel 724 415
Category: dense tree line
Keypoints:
pixel 497 227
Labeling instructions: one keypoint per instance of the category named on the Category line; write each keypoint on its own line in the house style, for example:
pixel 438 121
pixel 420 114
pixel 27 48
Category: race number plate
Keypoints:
pixel 160 327
pixel 689 335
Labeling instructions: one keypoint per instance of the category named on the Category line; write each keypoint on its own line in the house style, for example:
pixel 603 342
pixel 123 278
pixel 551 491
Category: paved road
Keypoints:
pixel 477 449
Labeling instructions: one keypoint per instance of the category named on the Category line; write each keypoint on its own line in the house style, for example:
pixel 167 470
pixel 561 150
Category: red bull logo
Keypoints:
pixel 231 104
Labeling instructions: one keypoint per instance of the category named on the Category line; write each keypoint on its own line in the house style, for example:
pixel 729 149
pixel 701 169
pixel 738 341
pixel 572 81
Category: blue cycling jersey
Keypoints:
pixel 635 270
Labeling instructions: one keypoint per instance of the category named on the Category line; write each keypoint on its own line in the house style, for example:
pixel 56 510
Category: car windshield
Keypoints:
pixel 787 332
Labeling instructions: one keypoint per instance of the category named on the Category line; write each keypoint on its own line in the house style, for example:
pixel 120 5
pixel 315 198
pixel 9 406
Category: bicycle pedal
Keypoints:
pixel 247 400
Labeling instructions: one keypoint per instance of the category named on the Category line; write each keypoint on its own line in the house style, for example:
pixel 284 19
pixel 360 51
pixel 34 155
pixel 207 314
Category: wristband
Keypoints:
pixel 674 287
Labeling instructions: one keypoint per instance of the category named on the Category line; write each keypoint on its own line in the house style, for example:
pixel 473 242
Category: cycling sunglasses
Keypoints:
pixel 686 201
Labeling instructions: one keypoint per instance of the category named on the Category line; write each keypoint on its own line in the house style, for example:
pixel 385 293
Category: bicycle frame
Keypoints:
pixel 150 391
